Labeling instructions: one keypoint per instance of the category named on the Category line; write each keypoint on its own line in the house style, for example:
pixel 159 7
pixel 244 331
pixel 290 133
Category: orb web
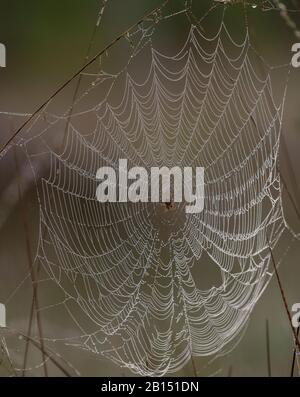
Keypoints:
pixel 144 285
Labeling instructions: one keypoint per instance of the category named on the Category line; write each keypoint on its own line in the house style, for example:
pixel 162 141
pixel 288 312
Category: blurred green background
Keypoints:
pixel 46 43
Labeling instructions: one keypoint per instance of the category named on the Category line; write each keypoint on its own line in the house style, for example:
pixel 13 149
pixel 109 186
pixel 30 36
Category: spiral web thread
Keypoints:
pixel 126 274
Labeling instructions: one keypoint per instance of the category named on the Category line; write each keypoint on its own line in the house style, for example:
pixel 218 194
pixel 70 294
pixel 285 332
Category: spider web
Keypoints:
pixel 142 285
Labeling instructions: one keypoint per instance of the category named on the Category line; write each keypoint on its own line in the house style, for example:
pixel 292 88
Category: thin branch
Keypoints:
pixel 86 58
pixel 45 352
pixel 29 334
pixel 294 356
pixel 78 72
pixel 283 297
pixel 30 263
pixel 289 193
pixel 194 366
pixel 90 45
pixel 5 353
pixel 268 349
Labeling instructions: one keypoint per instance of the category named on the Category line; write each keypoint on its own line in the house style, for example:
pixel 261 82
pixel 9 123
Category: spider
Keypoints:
pixel 168 205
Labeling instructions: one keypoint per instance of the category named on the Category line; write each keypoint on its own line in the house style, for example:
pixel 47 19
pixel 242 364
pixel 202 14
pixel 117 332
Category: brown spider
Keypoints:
pixel 169 205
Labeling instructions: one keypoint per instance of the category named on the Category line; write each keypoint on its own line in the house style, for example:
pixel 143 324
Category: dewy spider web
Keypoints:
pixel 133 278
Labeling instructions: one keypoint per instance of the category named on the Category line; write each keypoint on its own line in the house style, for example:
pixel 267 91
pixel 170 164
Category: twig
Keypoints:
pixel 5 352
pixel 194 365
pixel 294 356
pixel 289 193
pixel 86 58
pixel 283 297
pixel 77 73
pixel 46 353
pixel 29 334
pixel 91 41
pixel 268 349
pixel 30 265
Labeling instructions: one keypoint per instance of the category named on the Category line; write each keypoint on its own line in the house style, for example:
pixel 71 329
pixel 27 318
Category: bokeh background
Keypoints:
pixel 46 43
